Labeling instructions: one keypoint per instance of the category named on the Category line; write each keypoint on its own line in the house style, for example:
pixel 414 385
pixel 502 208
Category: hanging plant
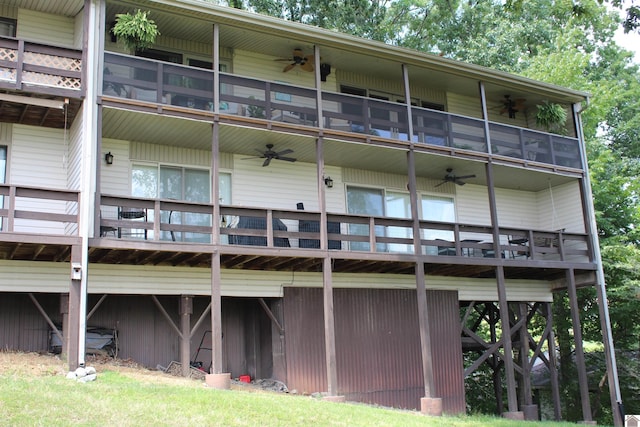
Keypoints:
pixel 136 31
pixel 551 116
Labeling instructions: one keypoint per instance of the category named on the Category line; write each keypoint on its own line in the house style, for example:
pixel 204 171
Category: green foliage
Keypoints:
pixel 551 116
pixel 136 31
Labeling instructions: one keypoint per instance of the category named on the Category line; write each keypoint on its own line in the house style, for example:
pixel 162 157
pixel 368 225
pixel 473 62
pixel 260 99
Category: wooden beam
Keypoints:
pixel 216 315
pixel 579 350
pixel 267 310
pixel 46 318
pixel 186 308
pixel 166 316
pixel 512 398
pixel 95 307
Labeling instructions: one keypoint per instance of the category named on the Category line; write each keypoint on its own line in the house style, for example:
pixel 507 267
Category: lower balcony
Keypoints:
pixel 168 232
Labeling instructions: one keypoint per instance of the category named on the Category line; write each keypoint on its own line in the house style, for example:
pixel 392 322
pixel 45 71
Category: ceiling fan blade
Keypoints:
pixel 438 185
pixel 288 67
pixel 459 181
pixel 307 66
pixel 283 152
pixel 286 159
pixel 266 161
pixel 465 176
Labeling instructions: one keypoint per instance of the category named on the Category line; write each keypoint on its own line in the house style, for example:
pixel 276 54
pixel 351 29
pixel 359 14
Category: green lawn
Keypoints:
pixel 42 396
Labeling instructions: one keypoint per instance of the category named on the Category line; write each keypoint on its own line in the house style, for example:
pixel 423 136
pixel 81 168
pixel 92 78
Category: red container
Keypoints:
pixel 245 378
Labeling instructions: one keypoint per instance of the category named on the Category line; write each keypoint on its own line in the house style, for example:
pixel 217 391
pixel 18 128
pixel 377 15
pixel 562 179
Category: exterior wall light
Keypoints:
pixel 108 158
pixel 328 182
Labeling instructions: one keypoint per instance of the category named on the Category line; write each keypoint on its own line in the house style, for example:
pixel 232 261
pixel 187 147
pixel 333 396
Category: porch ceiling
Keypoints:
pixel 28 113
pixel 247 141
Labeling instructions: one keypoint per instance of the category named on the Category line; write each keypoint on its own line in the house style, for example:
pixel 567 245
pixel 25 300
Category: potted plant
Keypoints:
pixel 137 31
pixel 551 116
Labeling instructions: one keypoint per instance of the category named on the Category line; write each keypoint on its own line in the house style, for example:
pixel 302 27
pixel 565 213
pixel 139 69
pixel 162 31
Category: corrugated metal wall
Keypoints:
pixel 377 345
pixel 444 327
pixel 22 327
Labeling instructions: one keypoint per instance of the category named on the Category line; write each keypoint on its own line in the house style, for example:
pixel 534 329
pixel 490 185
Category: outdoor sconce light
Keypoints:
pixel 325 70
pixel 328 182
pixel 108 158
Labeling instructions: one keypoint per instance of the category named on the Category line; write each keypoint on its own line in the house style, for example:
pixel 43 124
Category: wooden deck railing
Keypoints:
pixel 38 210
pixel 188 222
pixel 40 68
pixel 158 82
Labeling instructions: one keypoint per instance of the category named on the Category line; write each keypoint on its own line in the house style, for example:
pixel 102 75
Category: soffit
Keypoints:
pixel 278 38
pixel 58 7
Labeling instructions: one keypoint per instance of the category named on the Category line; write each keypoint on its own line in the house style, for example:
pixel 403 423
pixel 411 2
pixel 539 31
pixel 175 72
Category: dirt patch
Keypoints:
pixel 47 364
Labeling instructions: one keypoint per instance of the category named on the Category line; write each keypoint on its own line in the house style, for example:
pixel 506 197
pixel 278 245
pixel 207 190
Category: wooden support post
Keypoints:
pixel 186 309
pixel 216 378
pixel 577 338
pixel 553 364
pixel 530 411
pixel 430 404
pixel 329 328
pixel 64 313
pixel 512 398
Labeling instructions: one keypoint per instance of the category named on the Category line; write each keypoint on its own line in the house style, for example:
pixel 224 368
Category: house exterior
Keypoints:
pixel 265 198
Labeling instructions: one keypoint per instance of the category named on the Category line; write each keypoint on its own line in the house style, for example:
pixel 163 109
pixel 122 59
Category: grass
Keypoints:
pixel 37 393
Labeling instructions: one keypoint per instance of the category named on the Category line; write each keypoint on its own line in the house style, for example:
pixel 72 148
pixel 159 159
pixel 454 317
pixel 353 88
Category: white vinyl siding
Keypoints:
pixel 281 185
pixel 115 178
pixel 38 157
pixel 46 28
pixel 26 276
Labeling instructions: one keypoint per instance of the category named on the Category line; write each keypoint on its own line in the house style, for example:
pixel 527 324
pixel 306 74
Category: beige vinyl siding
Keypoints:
pixel 74 167
pixel 517 208
pixel 115 179
pixel 7 11
pixel 394 181
pixel 46 28
pixel 38 158
pixel 78 30
pixel 26 276
pixel 464 105
pixel 561 208
pixel 171 154
pixel 472 205
pixel 266 67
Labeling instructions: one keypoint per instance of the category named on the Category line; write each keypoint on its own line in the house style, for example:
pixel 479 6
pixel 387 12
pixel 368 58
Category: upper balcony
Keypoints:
pixel 167 88
pixel 49 76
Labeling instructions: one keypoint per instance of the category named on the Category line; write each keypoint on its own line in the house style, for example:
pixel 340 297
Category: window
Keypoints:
pixel 160 55
pixel 7 27
pixel 398 205
pixel 367 201
pixel 3 173
pixel 179 183
pixel 437 208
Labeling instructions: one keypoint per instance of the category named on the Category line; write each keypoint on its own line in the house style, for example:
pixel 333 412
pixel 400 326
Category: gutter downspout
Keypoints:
pixel 87 182
pixel 603 305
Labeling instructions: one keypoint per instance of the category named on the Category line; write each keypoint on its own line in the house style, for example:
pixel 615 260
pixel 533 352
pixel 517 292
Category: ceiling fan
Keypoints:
pixel 299 58
pixel 451 177
pixel 512 106
pixel 269 154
